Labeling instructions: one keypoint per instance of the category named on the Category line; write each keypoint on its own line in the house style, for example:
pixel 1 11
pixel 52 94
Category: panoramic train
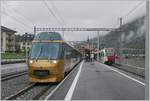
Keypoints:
pixel 50 58
pixel 107 56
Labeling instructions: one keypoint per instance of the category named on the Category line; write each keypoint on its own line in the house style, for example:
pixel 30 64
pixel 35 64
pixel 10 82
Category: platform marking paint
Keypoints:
pixel 55 89
pixel 125 75
pixel 71 90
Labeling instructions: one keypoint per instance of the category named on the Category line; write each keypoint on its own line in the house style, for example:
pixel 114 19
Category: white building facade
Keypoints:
pixel 7 40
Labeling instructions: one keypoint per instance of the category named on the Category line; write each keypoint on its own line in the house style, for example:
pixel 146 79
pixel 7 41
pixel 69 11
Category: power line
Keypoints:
pixel 132 10
pixel 51 12
pixel 17 11
pixel 16 19
pixel 20 29
pixel 58 12
pixel 23 16
pixel 61 18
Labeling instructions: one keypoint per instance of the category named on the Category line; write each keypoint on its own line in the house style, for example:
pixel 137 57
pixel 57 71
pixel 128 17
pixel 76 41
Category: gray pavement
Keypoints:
pixel 99 82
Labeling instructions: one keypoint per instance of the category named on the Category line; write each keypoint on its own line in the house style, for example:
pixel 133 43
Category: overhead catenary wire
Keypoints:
pixel 52 13
pixel 133 9
pixel 60 16
pixel 26 26
pixel 19 20
pixel 17 11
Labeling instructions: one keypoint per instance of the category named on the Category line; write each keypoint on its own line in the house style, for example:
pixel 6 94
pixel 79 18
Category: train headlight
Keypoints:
pixel 31 61
pixel 54 61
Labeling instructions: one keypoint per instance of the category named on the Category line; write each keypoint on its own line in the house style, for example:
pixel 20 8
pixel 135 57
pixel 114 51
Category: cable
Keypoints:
pixel 16 19
pixel 51 12
pixel 132 10
pixel 57 12
pixel 17 11
pixel 61 18
pixel 21 18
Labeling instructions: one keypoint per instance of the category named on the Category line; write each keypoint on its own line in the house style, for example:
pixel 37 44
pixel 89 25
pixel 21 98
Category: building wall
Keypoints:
pixel 7 42
pixel 26 41
pixel 3 42
pixel 10 42
pixel 23 45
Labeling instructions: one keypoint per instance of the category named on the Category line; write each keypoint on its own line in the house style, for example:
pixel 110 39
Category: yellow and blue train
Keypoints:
pixel 51 57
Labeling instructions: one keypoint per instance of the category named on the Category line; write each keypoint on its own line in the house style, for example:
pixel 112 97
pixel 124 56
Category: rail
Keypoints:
pixel 10 61
pixel 13 75
pixel 132 69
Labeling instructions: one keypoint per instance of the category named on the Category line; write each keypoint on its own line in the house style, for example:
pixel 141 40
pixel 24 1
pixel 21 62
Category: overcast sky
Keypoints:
pixel 23 15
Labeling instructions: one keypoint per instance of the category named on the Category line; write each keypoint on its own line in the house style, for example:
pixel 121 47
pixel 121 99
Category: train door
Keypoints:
pixel 103 56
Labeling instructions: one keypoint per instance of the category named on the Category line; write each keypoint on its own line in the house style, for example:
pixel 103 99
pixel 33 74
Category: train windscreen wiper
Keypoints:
pixel 39 53
pixel 49 54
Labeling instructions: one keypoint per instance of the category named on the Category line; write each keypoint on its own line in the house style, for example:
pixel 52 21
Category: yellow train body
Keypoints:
pixel 50 59
pixel 55 71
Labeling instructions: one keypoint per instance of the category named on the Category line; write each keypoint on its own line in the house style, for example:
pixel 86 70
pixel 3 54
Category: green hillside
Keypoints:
pixel 132 36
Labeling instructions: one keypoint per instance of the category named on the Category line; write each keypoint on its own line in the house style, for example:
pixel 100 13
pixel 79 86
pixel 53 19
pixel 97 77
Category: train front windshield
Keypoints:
pixel 44 51
pixel 109 53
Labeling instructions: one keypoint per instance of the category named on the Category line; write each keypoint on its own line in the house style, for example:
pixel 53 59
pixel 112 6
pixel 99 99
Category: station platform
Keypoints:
pixel 98 81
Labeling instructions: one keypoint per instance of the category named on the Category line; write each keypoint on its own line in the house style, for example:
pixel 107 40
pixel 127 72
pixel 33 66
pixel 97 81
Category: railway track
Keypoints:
pixel 13 75
pixel 128 69
pixel 35 91
pixel 31 88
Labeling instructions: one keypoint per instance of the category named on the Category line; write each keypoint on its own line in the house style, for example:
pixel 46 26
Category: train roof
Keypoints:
pixel 48 36
pixel 51 36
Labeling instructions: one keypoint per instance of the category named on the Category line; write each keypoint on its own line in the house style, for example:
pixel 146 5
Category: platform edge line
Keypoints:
pixel 53 91
pixel 126 75
pixel 71 90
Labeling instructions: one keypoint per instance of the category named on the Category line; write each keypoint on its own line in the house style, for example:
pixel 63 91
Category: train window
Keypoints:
pixel 48 36
pixel 45 50
pixel 67 54
pixel 62 51
pixel 109 53
pixel 102 54
pixel 74 55
pixel 35 50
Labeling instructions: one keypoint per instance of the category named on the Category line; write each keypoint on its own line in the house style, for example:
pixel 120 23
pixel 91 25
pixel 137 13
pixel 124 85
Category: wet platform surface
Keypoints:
pixel 100 82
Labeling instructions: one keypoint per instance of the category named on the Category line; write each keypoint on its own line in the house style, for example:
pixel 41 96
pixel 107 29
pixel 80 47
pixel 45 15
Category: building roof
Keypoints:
pixel 5 29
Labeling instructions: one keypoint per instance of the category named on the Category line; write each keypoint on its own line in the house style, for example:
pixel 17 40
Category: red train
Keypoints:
pixel 107 56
